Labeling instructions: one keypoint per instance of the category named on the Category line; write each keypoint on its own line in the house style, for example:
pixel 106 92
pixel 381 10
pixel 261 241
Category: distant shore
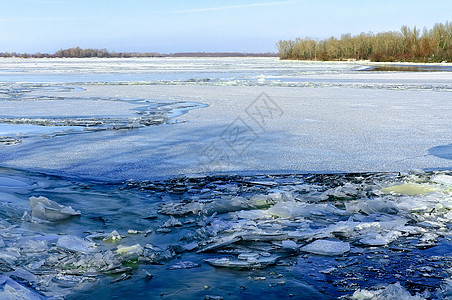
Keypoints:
pixel 252 55
pixel 376 63
pixel 78 52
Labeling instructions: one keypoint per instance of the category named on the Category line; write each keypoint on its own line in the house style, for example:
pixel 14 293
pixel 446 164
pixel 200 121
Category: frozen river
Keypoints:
pixel 189 177
pixel 313 117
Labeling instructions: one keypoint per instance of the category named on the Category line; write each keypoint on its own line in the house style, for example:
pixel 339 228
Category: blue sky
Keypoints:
pixel 211 26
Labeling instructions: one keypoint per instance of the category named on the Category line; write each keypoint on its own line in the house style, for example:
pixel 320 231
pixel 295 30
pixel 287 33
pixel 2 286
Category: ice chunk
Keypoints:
pixel 225 205
pixel 289 244
pixel 261 235
pixel 443 179
pixel 249 257
pixel 130 252
pixel 34 246
pixel 265 201
pixel 121 277
pixel 364 295
pixel 116 269
pixel 292 209
pixel 259 263
pixel 328 270
pixel 153 247
pixel 427 240
pixel 410 189
pixel 289 209
pixel 372 206
pixel 220 243
pixel 327 247
pixel 75 244
pixel 190 246
pixel 446 289
pixel 415 205
pixel 147 275
pixel 181 208
pixel 212 297
pixel 172 222
pixel 347 192
pixel 220 206
pixel 45 209
pixel 251 214
pixel 10 289
pixel 381 240
pixel 392 291
pixel 278 195
pixel 113 236
pixel 11 256
pixel 183 265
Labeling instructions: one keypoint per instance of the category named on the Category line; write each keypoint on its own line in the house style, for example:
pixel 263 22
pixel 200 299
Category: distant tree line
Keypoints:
pixel 81 53
pixel 78 52
pixel 25 55
pixel 408 44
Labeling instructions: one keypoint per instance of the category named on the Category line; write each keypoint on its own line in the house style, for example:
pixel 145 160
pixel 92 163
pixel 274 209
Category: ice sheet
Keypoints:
pixel 307 137
pixel 380 121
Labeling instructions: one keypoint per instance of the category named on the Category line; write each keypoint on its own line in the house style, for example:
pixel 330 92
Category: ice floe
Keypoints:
pixel 76 244
pixel 392 291
pixel 44 209
pixel 249 263
pixel 327 247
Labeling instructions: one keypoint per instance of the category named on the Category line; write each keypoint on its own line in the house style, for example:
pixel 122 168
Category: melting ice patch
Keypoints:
pixel 25 113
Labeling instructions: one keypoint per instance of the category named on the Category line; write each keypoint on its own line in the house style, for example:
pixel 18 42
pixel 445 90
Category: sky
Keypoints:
pixel 200 26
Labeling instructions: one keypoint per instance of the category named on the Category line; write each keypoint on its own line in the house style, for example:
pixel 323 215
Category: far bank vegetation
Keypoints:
pixel 408 44
pixel 77 52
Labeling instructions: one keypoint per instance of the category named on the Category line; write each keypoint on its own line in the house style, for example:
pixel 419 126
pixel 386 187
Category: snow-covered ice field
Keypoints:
pixel 321 117
pixel 180 178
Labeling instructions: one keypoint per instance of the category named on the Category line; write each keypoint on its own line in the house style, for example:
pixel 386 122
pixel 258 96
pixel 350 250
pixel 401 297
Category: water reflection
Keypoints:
pixel 409 68
pixel 443 151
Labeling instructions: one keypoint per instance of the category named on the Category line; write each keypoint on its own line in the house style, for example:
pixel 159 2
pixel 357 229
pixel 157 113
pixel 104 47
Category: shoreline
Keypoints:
pixel 369 62
pixel 58 175
pixel 357 62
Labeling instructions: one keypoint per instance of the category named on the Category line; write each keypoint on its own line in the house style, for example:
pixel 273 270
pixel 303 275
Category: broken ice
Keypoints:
pixel 327 247
pixel 183 265
pixel 76 244
pixel 44 209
